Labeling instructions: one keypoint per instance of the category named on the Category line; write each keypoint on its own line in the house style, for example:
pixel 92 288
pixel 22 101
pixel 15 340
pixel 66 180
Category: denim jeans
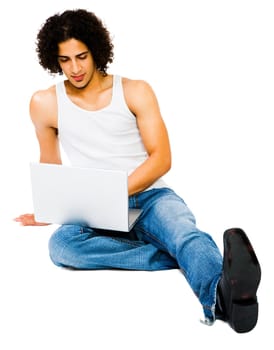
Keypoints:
pixel 164 237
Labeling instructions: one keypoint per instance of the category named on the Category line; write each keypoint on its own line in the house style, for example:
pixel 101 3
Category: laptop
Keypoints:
pixel 90 197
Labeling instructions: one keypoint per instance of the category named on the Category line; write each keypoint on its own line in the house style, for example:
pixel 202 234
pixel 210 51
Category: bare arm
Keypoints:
pixel 143 103
pixel 43 113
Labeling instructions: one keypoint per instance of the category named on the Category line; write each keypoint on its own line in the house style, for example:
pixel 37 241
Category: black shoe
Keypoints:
pixel 236 293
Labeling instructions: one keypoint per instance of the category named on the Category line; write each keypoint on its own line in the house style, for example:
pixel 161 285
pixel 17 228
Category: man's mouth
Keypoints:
pixel 78 78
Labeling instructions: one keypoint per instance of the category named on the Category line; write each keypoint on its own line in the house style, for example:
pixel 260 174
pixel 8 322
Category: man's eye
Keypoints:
pixel 62 60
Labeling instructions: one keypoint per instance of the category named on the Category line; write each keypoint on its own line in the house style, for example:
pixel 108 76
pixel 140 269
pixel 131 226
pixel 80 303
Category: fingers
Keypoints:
pixel 28 220
pixel 25 219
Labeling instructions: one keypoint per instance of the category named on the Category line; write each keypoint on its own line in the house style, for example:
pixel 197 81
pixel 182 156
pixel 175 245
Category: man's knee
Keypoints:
pixel 59 241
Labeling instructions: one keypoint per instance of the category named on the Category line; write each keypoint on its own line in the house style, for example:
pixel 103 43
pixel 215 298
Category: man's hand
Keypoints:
pixel 29 220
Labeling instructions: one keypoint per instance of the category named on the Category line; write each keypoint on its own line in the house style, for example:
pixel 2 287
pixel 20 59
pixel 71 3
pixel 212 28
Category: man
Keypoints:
pixel 107 121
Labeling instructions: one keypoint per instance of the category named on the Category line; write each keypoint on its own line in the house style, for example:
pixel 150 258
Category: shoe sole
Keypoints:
pixel 244 275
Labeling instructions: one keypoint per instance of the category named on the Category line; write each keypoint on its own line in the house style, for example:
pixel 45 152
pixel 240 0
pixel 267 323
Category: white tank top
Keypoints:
pixel 107 138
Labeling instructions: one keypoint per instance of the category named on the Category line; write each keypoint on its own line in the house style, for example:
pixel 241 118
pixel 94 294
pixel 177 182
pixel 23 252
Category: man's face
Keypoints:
pixel 76 62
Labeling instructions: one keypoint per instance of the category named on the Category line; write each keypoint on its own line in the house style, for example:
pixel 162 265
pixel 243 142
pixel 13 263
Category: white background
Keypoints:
pixel 211 66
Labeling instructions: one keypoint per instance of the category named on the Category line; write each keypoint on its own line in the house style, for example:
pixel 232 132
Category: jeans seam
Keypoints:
pixel 118 239
pixel 155 239
pixel 124 240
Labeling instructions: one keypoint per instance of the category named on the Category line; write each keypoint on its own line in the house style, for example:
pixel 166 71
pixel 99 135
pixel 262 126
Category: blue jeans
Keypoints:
pixel 164 237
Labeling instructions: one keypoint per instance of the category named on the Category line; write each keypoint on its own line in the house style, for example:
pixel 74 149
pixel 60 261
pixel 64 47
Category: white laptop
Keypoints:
pixel 96 198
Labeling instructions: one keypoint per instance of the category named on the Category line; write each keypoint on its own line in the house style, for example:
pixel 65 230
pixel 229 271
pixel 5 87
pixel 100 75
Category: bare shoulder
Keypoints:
pixel 43 96
pixel 43 107
pixel 133 86
pixel 138 95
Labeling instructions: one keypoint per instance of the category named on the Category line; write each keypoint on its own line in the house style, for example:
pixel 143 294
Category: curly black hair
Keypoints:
pixel 78 24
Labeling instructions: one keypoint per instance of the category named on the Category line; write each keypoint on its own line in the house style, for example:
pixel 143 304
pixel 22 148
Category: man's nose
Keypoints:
pixel 75 67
